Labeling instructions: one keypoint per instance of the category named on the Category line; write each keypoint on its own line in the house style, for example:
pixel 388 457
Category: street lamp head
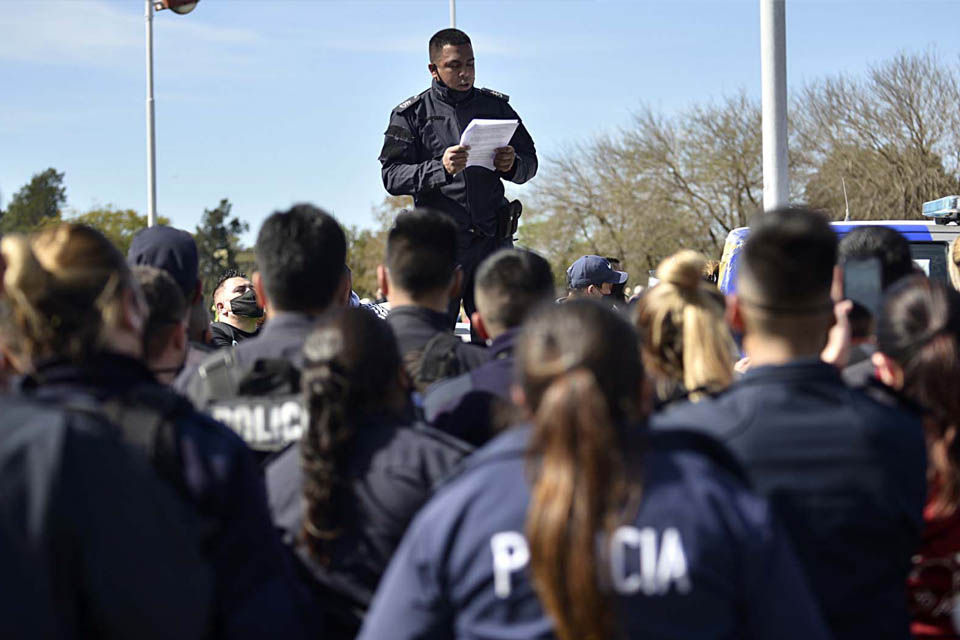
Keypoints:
pixel 177 6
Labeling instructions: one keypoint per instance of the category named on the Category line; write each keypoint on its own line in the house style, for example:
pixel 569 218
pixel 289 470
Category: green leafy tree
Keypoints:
pixel 366 247
pixel 36 204
pixel 218 243
pixel 119 225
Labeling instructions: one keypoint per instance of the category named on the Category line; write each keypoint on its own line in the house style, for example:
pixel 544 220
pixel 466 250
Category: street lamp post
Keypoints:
pixel 453 14
pixel 773 63
pixel 177 6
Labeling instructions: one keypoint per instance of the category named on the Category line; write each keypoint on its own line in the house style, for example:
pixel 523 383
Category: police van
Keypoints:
pixel 929 240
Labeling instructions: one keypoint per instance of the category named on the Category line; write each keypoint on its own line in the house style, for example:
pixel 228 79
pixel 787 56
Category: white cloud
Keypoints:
pixel 98 33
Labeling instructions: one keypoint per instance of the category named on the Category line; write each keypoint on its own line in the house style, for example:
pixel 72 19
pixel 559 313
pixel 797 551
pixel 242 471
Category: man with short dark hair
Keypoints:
pixel 892 252
pixel 845 471
pixel 510 283
pixel 238 314
pixel 419 278
pixel 422 155
pixel 300 254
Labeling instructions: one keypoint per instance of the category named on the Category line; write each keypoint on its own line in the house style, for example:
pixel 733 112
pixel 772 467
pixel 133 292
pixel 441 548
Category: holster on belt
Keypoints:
pixel 508 218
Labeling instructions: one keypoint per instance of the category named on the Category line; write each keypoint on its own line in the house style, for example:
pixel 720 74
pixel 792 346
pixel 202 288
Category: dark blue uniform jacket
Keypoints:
pixel 93 544
pixel 282 336
pixel 468 405
pixel 845 474
pixel 422 128
pixel 391 471
pixel 257 594
pixel 701 558
pixel 415 326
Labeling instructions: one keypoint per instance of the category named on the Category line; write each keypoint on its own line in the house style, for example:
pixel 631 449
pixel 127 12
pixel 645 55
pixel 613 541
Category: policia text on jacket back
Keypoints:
pixel 422 156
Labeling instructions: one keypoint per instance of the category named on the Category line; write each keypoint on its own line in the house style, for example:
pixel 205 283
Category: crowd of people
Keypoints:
pixel 776 463
pixel 680 465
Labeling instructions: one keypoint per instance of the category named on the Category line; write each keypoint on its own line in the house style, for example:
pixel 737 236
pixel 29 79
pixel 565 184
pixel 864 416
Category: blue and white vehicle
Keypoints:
pixel 929 240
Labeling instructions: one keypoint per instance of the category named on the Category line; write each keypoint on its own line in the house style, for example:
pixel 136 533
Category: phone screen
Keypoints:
pixel 862 283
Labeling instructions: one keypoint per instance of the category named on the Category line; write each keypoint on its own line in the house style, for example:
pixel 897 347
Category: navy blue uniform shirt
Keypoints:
pixel 702 558
pixel 282 336
pixel 845 474
pixel 110 550
pixel 467 406
pixel 391 470
pixel 423 127
pixel 256 591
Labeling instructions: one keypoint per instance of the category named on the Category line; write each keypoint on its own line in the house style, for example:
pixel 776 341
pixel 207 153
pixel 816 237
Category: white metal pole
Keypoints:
pixel 151 134
pixel 773 63
pixel 453 14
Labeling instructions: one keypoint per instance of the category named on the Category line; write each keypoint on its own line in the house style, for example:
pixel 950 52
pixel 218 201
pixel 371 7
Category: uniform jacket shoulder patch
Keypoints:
pixel 409 102
pixel 496 94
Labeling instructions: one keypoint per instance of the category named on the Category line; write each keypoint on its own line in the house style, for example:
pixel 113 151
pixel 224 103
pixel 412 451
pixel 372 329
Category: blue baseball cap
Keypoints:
pixel 169 249
pixel 593 270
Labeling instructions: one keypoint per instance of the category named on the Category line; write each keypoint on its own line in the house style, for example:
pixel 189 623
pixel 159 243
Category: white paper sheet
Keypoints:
pixel 483 137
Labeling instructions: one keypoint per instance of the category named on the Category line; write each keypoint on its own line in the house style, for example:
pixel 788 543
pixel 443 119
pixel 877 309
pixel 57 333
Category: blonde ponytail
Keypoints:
pixel 62 288
pixel 681 322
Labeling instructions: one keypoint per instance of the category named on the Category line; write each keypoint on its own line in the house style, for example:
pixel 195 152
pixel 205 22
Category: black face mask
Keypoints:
pixel 246 305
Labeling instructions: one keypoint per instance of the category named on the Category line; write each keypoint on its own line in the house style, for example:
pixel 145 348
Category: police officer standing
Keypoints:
pixel 422 155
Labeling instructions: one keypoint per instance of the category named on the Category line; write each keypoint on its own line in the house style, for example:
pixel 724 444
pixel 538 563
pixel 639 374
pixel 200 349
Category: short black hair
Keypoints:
pixel 788 260
pixel 886 244
pixel 166 306
pixel 515 281
pixel 444 37
pixel 422 251
pixel 300 254
pixel 226 275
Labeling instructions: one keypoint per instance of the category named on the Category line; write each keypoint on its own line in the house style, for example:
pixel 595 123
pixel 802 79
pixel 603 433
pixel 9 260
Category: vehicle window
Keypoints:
pixel 932 258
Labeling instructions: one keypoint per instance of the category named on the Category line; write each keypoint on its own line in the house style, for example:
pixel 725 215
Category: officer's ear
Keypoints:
pixel 888 371
pixel 383 281
pixel 259 289
pixel 477 324
pixel 434 73
pixel 734 314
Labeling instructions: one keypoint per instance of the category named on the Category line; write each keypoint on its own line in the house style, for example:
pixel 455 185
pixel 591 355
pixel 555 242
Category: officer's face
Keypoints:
pixel 454 67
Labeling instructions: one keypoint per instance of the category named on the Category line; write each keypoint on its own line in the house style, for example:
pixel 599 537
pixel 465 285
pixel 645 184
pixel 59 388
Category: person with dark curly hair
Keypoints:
pixel 346 491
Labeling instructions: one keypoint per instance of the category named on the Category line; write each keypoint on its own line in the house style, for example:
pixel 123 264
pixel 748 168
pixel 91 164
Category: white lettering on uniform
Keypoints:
pixel 292 423
pixel 660 568
pixel 510 553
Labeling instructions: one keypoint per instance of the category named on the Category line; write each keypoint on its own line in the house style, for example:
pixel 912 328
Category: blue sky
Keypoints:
pixel 270 102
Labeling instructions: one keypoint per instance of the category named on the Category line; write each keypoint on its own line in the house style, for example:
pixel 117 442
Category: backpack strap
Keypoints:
pixel 440 359
pixel 146 417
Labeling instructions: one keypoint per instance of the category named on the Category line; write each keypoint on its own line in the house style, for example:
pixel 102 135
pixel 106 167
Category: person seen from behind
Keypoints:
pixel 237 313
pixel 420 277
pixel 471 406
pixel 80 320
pixel 844 470
pixel 165 332
pixel 581 525
pixel 300 276
pixel 175 251
pixel 890 251
pixel 687 346
pixel 918 342
pixel 345 493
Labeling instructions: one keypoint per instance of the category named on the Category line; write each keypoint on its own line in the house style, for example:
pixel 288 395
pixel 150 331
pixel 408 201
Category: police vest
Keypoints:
pixel 261 401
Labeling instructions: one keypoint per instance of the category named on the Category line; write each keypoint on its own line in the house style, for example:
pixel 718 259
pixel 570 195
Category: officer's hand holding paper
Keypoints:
pixel 484 137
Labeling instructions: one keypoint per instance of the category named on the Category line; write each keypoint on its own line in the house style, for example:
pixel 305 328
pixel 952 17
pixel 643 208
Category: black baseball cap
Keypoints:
pixel 593 270
pixel 169 249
